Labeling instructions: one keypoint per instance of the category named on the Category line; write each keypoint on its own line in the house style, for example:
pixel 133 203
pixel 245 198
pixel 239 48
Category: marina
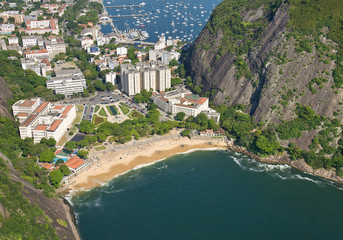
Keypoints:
pixel 175 19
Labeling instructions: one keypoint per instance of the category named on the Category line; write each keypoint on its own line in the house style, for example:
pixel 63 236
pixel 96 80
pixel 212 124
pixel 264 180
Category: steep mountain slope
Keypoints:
pixel 21 215
pixel 265 55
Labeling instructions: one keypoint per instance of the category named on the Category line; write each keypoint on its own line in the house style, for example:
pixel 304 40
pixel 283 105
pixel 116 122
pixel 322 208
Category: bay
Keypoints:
pixel 183 19
pixel 211 195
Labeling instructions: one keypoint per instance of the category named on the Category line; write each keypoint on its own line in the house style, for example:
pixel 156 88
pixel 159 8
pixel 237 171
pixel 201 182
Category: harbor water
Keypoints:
pixel 211 195
pixel 181 19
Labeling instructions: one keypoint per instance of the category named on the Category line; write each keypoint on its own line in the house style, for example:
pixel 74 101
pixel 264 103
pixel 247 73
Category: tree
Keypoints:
pixel 70 146
pixel 109 87
pixel 64 170
pixel 82 154
pixel 51 142
pixel 185 133
pixel 1 20
pixel 46 156
pixel 55 178
pixel 201 119
pixel 59 161
pixel 11 20
pixel 86 126
pixel 151 106
pixel 99 85
pixel 101 137
pixel 180 116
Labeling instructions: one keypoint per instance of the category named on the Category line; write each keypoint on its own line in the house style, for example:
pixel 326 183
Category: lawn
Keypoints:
pixel 98 120
pixel 112 110
pixel 135 114
pixel 100 148
pixel 97 107
pixel 124 110
pixel 62 141
pixel 79 113
pixel 103 112
pixel 125 105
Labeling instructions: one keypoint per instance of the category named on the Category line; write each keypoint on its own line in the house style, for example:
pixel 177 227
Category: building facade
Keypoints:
pixel 42 119
pixel 67 82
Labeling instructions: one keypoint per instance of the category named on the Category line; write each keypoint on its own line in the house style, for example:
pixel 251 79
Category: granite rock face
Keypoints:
pixel 281 73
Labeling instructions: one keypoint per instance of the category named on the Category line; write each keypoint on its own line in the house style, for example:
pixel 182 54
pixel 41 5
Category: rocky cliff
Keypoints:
pixel 5 94
pixel 276 71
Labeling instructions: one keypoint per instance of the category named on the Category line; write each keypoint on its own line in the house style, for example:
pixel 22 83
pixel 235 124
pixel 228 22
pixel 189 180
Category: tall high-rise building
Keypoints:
pixel 154 76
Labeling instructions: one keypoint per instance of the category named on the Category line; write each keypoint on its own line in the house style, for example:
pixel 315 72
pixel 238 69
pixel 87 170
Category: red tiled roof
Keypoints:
pixel 163 99
pixel 58 107
pixel 36 51
pixel 41 127
pixel 201 100
pixel 64 116
pixel 41 107
pixel 67 109
pixel 47 166
pixel 55 125
pixel 74 162
pixel 29 120
pixel 22 114
pixel 27 103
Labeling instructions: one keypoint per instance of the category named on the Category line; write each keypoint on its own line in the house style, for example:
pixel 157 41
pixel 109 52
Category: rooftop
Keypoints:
pixel 74 162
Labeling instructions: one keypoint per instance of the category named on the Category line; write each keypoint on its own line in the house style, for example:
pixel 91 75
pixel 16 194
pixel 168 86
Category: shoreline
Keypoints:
pixel 137 154
pixel 132 156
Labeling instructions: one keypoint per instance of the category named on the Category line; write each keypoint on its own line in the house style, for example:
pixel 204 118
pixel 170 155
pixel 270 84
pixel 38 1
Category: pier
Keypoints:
pixel 124 6
pixel 131 42
pixel 132 15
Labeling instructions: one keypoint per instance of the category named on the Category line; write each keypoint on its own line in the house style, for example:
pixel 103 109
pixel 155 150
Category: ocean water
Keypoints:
pixel 211 195
pixel 183 19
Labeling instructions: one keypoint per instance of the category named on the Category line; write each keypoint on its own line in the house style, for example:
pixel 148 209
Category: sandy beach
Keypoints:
pixel 123 158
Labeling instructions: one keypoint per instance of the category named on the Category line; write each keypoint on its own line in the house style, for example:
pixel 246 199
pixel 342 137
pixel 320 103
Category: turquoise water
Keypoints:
pixel 64 159
pixel 211 195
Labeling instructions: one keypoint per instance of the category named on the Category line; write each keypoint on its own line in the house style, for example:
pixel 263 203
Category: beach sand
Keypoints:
pixel 137 153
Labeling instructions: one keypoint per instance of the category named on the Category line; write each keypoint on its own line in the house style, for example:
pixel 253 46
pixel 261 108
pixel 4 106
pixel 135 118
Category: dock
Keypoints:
pixel 124 6
pixel 131 42
pixel 132 15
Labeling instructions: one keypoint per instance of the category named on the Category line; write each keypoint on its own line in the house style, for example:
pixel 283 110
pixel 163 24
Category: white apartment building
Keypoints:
pixel 67 82
pixel 29 41
pixel 121 51
pixel 42 119
pixel 18 18
pixel 155 77
pixel 111 77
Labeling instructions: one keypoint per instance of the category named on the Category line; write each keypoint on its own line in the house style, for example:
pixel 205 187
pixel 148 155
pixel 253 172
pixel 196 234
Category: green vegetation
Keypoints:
pixel 143 97
pixel 100 148
pixel 135 114
pixel 176 81
pixel 318 81
pixel 79 113
pixel 112 110
pixel 97 107
pixel 180 116
pixel 103 113
pixel 24 221
pixel 23 83
pixel 242 69
pixel 124 110
pixel 240 36
pixel 98 120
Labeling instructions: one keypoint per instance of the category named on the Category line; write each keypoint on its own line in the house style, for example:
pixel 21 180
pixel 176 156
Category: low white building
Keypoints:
pixel 7 28
pixel 184 101
pixel 55 46
pixel 67 82
pixel 42 119
pixel 37 54
pixel 121 51
pixel 38 67
pixel 13 41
